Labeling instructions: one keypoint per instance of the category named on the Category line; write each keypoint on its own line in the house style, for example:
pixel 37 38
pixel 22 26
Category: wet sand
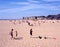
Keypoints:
pixel 43 28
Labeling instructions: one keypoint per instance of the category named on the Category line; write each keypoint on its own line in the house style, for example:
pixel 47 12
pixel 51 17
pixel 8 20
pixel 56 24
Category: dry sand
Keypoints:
pixel 44 28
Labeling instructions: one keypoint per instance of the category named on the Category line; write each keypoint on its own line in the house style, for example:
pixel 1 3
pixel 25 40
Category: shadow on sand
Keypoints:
pixel 18 38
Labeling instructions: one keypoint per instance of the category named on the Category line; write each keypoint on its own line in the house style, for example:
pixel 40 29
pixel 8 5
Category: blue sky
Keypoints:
pixel 15 9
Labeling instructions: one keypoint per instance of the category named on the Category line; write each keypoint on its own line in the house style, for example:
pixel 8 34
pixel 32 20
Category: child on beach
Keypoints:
pixel 16 33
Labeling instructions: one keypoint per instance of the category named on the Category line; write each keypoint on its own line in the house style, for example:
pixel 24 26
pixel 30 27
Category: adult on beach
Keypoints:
pixel 31 31
pixel 11 33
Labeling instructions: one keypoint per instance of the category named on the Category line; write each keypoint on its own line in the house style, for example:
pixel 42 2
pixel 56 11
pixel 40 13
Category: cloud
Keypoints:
pixel 33 1
pixel 20 3
pixel 31 6
pixel 25 3
pixel 51 0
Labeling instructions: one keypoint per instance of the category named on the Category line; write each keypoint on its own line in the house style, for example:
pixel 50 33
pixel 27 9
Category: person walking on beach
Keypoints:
pixel 11 33
pixel 31 31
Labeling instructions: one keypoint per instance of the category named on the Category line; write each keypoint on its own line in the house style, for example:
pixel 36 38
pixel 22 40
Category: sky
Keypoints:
pixel 16 9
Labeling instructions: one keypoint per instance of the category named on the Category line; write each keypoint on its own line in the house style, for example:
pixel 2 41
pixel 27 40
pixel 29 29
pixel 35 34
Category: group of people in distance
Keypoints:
pixel 12 35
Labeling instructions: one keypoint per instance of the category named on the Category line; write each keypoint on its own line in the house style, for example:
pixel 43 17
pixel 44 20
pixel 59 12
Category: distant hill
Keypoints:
pixel 49 17
pixel 57 17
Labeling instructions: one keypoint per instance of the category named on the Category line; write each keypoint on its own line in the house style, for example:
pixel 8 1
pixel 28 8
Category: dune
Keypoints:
pixel 46 33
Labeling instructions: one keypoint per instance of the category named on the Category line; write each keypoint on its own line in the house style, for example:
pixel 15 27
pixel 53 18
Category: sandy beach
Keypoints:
pixel 43 28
